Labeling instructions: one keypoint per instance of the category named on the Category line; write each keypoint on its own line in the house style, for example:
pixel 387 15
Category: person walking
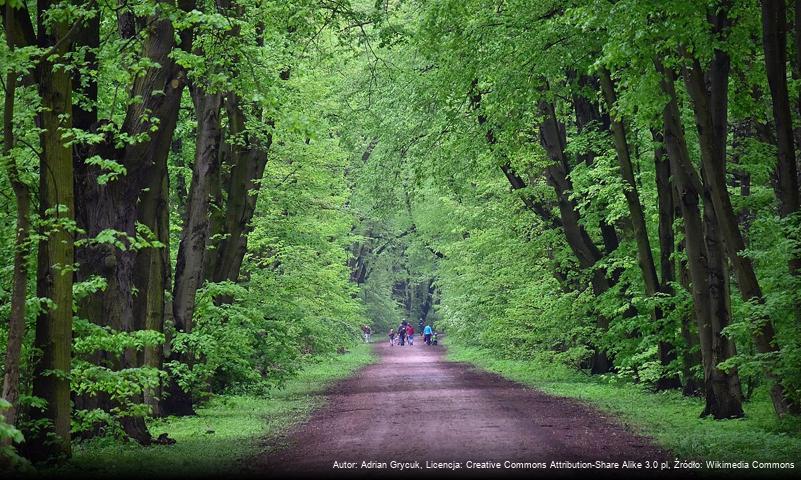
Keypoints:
pixel 367 331
pixel 427 334
pixel 410 334
pixel 391 337
pixel 401 334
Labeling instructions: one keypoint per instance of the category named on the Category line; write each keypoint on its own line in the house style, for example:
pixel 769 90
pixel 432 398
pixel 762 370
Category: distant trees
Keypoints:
pixel 618 126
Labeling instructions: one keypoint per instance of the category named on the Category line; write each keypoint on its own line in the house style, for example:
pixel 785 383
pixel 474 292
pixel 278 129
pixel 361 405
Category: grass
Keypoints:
pixel 226 431
pixel 671 419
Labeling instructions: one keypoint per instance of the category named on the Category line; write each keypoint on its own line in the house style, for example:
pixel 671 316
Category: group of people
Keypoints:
pixel 405 334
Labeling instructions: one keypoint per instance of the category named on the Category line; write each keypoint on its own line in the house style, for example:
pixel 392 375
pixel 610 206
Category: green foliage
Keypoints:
pixel 8 434
pixel 386 125
pixel 104 381
pixel 227 431
pixel 234 346
pixel 505 279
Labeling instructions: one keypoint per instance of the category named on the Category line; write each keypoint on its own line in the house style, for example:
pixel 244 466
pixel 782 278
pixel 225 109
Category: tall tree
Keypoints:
pixel 56 254
pixel 196 230
pixel 645 255
pixel 710 106
pixel 124 203
pixel 707 270
pixel 774 42
pixel 552 139
pixel 22 195
pixel 247 163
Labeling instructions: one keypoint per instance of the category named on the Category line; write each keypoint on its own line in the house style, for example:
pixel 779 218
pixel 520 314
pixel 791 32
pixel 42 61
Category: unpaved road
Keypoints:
pixel 413 405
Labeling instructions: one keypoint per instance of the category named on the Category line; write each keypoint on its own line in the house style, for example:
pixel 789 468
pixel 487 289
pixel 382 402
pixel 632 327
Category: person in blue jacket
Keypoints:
pixel 427 334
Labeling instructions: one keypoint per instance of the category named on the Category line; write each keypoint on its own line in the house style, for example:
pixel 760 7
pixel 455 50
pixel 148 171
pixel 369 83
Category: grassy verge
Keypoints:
pixel 225 431
pixel 668 417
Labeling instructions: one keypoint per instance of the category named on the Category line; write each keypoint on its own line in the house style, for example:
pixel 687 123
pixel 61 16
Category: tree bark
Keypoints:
pixel 94 213
pixel 22 195
pixel 691 355
pixel 247 164
pixel 56 251
pixel 710 106
pixel 704 260
pixel 247 168
pixel 667 212
pixel 157 307
pixel 134 199
pixel 797 75
pixel 161 89
pixel 196 230
pixel 645 257
pixel 774 42
pixel 195 234
pixel 723 387
pixel 552 139
pixel 644 253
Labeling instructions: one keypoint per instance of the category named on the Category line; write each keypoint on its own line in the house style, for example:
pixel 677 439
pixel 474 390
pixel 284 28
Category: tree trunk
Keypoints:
pixel 428 301
pixel 667 247
pixel 644 253
pixel 161 89
pixel 774 42
pixel 645 256
pixel 691 355
pixel 195 234
pixel 723 387
pixel 160 279
pixel 56 255
pixel 587 253
pixel 704 260
pixel 552 139
pixel 19 293
pixel 247 168
pixel 589 117
pixel 667 212
pixel 122 203
pixel 515 181
pixel 710 107
pixel 95 212
pixel 797 75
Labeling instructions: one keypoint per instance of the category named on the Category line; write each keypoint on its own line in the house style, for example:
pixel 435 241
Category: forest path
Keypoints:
pixel 413 405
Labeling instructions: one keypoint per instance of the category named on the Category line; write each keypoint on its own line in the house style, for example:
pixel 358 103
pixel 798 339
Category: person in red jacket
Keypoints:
pixel 410 334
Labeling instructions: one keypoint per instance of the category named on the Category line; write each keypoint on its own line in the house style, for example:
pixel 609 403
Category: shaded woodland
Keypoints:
pixel 200 197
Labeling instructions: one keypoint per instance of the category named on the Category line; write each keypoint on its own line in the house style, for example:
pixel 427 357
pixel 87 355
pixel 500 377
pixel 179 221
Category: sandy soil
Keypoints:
pixel 414 406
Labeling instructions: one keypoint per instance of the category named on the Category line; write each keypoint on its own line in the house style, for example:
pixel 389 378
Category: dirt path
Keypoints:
pixel 453 413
